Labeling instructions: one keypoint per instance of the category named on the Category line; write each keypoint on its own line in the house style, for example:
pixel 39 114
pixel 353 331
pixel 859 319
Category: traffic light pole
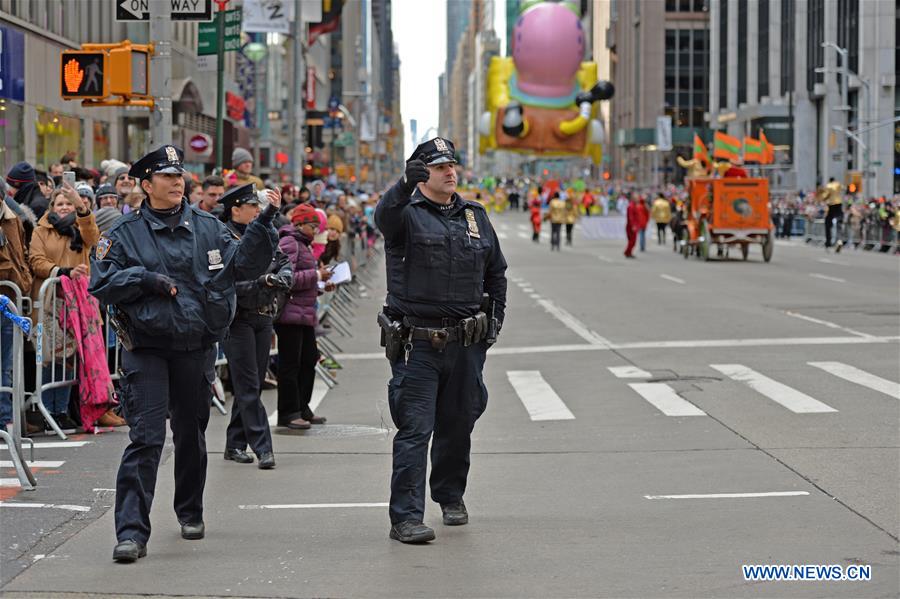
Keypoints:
pixel 220 83
pixel 161 69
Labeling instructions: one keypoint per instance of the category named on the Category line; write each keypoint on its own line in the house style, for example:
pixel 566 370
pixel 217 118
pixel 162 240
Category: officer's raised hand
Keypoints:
pixel 153 282
pixel 274 196
pixel 416 172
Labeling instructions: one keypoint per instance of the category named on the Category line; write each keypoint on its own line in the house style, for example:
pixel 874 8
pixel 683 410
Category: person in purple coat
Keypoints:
pixel 297 352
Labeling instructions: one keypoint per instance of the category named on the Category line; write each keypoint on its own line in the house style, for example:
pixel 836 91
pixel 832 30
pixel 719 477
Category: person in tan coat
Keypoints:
pixel 572 216
pixel 63 239
pixel 661 212
pixel 557 217
pixel 13 269
pixel 61 246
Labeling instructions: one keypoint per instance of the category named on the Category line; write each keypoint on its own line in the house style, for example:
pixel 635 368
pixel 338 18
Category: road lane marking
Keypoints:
pixel 826 277
pixel 522 235
pixel 36 464
pixel 835 262
pixel 674 279
pixel 826 323
pixel 51 444
pixel 309 506
pixel 629 372
pixel 730 495
pixel 528 289
pixel 664 398
pixel 10 482
pixel 54 506
pixel 318 394
pixel 573 324
pixel 534 296
pixel 860 377
pixel 678 344
pixel 538 396
pixel 605 259
pixel 790 398
pixel 502 235
pixel 523 227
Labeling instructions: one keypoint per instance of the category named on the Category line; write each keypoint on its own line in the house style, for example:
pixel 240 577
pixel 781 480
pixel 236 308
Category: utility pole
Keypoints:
pixel 298 123
pixel 220 83
pixel 161 69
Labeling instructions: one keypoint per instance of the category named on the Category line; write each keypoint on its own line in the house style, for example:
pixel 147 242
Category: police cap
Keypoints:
pixel 163 160
pixel 435 151
pixel 238 196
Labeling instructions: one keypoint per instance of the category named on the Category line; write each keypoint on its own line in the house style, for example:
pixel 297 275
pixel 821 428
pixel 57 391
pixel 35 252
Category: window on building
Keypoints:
pixel 848 31
pixel 815 54
pixel 685 79
pixel 762 71
pixel 686 6
pixel 787 46
pixel 57 135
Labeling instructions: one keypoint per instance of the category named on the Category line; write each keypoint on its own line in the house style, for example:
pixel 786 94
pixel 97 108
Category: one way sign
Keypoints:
pixel 182 10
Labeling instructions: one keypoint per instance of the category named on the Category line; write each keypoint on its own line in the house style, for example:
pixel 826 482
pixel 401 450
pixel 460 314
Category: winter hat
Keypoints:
pixel 239 156
pixel 105 217
pixel 111 167
pixel 335 222
pixel 85 191
pixel 119 171
pixel 304 214
pixel 20 174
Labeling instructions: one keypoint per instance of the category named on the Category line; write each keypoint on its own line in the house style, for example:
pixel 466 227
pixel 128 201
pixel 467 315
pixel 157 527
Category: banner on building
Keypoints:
pixel 267 16
pixel 12 64
pixel 664 133
pixel 331 19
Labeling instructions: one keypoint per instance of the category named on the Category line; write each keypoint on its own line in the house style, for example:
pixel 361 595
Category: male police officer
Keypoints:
pixel 442 257
pixel 170 270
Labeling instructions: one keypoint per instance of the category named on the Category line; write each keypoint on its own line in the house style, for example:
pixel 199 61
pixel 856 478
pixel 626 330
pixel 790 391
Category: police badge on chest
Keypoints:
pixel 215 260
pixel 473 226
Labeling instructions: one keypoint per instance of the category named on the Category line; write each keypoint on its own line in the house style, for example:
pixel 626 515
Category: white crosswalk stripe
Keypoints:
pixel 790 398
pixel 666 400
pixel 538 396
pixel 502 235
pixel 860 377
pixel 35 464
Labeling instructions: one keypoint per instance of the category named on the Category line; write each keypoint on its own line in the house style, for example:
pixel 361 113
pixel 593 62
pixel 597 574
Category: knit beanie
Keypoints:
pixel 111 167
pixel 20 174
pixel 304 214
pixel 239 156
pixel 105 217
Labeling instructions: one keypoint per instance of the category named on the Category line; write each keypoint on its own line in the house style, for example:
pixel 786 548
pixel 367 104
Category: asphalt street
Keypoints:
pixel 653 426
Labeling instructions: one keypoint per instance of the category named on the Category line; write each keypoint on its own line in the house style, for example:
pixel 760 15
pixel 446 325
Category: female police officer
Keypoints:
pixel 442 255
pixel 169 271
pixel 250 338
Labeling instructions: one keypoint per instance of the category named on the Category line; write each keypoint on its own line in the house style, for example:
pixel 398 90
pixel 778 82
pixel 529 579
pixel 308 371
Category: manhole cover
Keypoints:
pixel 336 431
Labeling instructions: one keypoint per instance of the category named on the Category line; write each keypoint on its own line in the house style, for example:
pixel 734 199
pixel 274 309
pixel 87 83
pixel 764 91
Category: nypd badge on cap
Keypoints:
pixel 163 160
pixel 435 151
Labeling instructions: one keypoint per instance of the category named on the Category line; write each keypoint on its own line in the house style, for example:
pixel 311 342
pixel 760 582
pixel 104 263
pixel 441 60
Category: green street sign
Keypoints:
pixel 877 163
pixel 206 38
pixel 345 140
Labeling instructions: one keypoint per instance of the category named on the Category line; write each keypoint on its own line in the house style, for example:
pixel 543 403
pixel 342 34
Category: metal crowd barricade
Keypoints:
pixel 815 231
pixel 59 354
pixel 12 433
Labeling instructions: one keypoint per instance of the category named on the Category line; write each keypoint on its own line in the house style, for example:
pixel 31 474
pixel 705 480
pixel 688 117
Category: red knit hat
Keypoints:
pixel 304 214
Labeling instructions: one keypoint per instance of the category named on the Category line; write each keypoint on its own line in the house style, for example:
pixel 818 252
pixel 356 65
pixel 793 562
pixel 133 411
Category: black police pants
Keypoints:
pixel 247 349
pixel 297 357
pixel 441 393
pixel 158 385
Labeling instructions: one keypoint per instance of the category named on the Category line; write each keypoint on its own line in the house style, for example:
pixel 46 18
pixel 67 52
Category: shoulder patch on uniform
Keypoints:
pixel 471 204
pixel 103 245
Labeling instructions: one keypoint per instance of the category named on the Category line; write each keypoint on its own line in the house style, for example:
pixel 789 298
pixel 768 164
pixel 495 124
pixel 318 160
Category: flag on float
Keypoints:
pixel 768 151
pixel 727 147
pixel 753 151
pixel 700 152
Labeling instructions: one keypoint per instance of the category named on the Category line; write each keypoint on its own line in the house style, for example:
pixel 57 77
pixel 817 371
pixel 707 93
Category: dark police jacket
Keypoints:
pixel 203 258
pixel 439 262
pixel 252 296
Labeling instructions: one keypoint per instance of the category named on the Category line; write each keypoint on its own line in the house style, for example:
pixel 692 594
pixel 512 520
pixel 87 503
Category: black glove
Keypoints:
pixel 153 282
pixel 282 282
pixel 63 271
pixel 416 172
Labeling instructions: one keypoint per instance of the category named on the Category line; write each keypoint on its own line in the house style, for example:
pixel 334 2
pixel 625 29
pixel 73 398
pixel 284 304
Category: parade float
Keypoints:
pixel 543 100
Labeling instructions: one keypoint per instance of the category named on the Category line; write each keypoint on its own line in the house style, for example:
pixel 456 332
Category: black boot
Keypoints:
pixel 412 531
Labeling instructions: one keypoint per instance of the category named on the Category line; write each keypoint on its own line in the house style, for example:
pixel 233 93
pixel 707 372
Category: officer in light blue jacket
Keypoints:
pixel 169 272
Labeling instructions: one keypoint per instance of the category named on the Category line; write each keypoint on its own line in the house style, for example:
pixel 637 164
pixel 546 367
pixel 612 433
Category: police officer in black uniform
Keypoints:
pixel 446 299
pixel 169 272
pixel 250 337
